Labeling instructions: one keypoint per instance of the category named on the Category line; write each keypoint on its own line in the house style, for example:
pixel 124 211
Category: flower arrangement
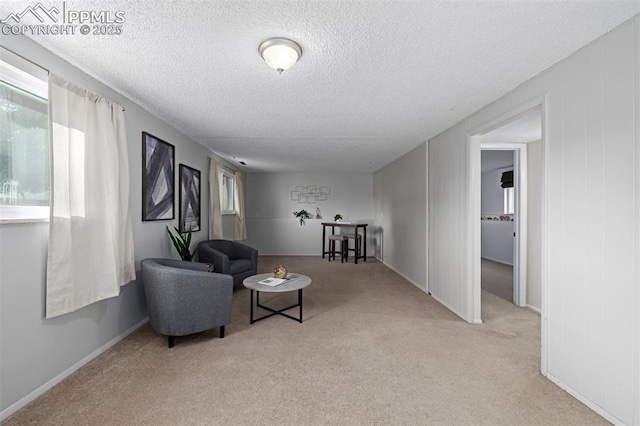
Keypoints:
pixel 337 217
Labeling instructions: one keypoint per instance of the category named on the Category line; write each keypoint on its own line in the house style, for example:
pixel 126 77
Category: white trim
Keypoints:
pixel 25 220
pixel 534 309
pixel 586 401
pixel 426 237
pixel 68 372
pixel 403 276
pixel 452 309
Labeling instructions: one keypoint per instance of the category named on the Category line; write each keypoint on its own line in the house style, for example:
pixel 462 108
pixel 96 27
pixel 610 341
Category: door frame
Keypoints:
pixel 474 140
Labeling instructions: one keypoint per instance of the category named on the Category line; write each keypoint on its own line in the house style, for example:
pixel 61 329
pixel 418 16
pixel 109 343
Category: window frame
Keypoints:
pixel 26 76
pixel 226 174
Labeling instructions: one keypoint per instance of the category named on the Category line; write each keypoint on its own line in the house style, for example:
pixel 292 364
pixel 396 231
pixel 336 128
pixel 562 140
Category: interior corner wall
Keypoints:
pixel 271 226
pixel 400 210
pixel 35 352
pixel 591 170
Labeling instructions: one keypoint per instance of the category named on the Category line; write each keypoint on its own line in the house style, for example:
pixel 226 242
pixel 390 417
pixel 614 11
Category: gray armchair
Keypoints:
pixel 183 298
pixel 230 257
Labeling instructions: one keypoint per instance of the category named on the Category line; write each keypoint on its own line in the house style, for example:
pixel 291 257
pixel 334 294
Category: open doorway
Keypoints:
pixel 497 231
pixel 518 136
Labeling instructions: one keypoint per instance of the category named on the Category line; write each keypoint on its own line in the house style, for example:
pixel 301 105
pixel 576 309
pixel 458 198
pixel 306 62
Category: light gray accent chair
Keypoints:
pixel 230 257
pixel 183 298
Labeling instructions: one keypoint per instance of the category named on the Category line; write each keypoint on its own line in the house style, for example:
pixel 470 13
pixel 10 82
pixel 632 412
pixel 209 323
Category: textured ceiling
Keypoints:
pixel 376 78
pixel 494 160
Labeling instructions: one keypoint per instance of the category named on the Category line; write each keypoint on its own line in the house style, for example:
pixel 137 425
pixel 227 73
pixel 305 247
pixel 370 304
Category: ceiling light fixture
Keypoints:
pixel 280 53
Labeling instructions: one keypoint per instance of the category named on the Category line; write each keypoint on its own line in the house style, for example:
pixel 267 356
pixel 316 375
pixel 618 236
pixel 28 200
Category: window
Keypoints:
pixel 509 201
pixel 228 193
pixel 24 142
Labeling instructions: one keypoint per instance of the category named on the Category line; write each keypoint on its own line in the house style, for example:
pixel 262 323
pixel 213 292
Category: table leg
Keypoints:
pixel 356 245
pixel 300 303
pixel 364 241
pixel 324 228
pixel 251 309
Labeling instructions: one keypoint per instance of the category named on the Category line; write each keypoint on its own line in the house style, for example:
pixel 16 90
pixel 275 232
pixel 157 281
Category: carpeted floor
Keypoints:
pixel 497 279
pixel 372 349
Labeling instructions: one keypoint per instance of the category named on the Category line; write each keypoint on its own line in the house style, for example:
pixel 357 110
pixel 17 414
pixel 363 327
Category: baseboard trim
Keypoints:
pixel 449 307
pixel 534 309
pixel 6 413
pixel 586 401
pixel 403 276
pixel 497 261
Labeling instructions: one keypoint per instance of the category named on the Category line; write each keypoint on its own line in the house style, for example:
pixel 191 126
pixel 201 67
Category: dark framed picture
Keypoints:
pixel 158 171
pixel 189 199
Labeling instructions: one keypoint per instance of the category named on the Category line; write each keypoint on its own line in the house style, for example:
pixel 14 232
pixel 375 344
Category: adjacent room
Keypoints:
pixel 320 212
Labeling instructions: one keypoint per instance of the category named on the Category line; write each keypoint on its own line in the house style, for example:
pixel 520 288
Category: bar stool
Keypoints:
pixel 342 239
pixel 358 245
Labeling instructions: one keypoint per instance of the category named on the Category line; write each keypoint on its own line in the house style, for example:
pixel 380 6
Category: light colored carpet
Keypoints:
pixel 372 349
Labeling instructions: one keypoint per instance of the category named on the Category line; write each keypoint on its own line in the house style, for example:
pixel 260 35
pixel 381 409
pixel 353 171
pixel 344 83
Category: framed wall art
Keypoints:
pixel 158 159
pixel 189 219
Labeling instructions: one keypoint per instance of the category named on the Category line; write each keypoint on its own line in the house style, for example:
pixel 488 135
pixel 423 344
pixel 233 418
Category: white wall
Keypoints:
pixel 400 208
pixel 497 236
pixel 271 226
pixel 34 352
pixel 592 155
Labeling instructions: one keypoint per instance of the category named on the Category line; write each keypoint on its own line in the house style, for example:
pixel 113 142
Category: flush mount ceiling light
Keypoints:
pixel 280 53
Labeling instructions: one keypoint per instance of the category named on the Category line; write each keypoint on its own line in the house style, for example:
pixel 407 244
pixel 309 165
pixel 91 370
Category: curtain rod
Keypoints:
pixel 36 64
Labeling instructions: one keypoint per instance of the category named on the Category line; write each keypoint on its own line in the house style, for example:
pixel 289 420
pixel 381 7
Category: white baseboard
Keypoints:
pixel 452 309
pixel 497 261
pixel 66 373
pixel 586 401
pixel 534 309
pixel 403 276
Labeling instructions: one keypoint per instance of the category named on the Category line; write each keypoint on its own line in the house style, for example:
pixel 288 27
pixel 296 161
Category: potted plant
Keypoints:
pixel 302 215
pixel 182 242
pixel 338 217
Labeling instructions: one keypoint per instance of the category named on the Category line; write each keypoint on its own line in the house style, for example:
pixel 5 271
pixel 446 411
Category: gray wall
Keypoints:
pixel 271 226
pixel 35 352
pixel 497 236
pixel 400 211
pixel 591 210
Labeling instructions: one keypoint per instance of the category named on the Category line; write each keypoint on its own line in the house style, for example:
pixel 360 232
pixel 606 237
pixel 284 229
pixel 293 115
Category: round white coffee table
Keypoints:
pixel 298 283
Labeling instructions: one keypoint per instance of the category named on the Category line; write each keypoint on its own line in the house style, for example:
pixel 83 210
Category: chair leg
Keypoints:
pixel 342 246
pixel 171 339
pixel 222 331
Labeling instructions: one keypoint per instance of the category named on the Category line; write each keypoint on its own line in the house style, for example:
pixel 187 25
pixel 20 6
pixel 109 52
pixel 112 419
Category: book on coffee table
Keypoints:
pixel 272 281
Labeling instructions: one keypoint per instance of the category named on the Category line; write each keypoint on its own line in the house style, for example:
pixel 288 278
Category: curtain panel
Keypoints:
pixel 240 228
pixel 90 252
pixel 215 188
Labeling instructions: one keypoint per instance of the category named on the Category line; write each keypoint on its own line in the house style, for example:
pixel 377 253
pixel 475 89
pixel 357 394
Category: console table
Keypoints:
pixel 355 227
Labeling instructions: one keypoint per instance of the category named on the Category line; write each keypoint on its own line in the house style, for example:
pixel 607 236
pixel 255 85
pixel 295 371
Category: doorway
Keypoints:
pixel 497 231
pixel 515 133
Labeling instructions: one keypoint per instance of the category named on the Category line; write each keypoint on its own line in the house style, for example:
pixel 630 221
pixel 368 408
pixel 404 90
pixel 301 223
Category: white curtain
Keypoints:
pixel 90 240
pixel 215 188
pixel 240 228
